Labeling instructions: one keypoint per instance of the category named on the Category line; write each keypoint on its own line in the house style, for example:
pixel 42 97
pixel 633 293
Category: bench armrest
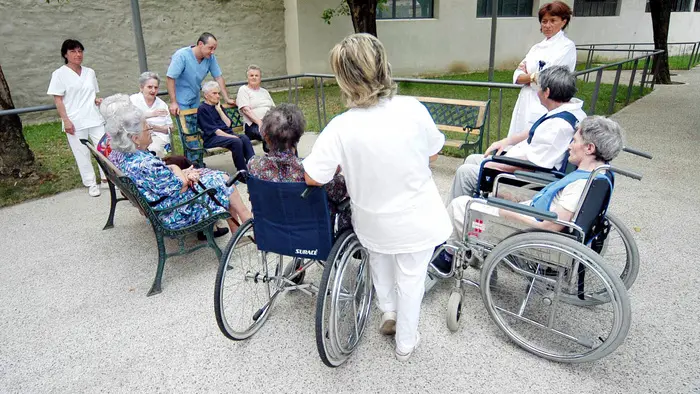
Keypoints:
pixel 521 208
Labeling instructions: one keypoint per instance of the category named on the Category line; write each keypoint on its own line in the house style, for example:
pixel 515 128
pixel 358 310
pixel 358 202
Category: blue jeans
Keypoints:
pixel 240 147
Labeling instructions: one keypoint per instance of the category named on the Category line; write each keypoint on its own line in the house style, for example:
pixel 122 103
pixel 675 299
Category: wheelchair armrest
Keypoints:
pixel 343 205
pixel 512 161
pixel 536 177
pixel 241 176
pixel 308 191
pixel 520 208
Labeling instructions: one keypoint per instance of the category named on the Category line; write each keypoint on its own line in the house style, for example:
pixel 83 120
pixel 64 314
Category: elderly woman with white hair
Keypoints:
pixel 384 144
pixel 216 129
pixel 597 141
pixel 254 101
pixel 156 112
pixel 164 185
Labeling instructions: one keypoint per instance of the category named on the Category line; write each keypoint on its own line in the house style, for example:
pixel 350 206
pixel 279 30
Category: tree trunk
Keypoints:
pixel 364 16
pixel 16 159
pixel 660 19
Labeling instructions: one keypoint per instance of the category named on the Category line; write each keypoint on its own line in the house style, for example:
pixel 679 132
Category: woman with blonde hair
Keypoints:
pixel 383 144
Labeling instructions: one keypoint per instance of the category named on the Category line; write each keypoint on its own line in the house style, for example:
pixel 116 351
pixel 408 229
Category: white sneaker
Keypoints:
pixel 94 190
pixel 388 324
pixel 405 356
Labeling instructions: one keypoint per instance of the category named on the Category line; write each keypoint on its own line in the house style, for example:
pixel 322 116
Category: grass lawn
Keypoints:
pixel 679 62
pixel 58 172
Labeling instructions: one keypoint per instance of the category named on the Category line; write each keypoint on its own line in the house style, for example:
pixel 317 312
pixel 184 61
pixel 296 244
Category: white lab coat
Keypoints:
pixel 556 51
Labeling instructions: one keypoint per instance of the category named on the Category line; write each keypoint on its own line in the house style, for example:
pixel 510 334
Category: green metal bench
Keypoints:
pixel 466 117
pixel 191 137
pixel 129 191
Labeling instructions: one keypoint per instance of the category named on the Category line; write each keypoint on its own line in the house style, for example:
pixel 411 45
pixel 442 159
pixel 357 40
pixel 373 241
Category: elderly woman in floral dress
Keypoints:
pixel 164 185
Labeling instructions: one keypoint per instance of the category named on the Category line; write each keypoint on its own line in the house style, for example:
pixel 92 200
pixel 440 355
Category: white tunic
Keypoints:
pixel 258 100
pixel 556 51
pixel 140 102
pixel 552 138
pixel 384 154
pixel 79 92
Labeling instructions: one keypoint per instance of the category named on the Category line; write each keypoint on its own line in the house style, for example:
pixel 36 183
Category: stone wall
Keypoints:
pixel 32 31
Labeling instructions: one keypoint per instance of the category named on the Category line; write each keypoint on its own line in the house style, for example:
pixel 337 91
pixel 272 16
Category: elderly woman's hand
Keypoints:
pixel 192 174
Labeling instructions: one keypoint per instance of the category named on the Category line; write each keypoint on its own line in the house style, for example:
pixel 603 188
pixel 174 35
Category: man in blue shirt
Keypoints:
pixel 188 67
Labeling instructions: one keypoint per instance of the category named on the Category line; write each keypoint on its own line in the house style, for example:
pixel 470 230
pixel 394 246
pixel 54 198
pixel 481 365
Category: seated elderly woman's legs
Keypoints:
pixel 467 177
pixel 237 209
pixel 252 131
pixel 235 145
pixel 247 147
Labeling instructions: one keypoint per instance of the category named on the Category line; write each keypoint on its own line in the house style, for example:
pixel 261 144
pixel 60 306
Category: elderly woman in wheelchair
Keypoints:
pixel 540 280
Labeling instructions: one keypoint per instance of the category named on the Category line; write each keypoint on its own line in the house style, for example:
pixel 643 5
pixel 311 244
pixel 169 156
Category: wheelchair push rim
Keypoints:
pixel 344 300
pixel 533 306
pixel 247 284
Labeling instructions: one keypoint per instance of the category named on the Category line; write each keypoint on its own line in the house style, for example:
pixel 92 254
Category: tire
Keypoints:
pixel 454 311
pixel 620 251
pixel 344 300
pixel 247 284
pixel 534 308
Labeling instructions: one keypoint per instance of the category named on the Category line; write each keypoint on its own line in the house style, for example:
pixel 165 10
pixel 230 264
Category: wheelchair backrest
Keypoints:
pixel 287 224
pixel 595 204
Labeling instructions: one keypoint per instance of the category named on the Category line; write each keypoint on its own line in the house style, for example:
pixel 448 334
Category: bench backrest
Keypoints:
pixel 124 183
pixel 454 115
pixel 191 136
pixel 287 224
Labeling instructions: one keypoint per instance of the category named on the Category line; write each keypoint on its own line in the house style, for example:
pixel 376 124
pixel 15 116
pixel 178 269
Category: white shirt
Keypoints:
pixel 384 154
pixel 552 138
pixel 557 51
pixel 79 93
pixel 258 100
pixel 140 102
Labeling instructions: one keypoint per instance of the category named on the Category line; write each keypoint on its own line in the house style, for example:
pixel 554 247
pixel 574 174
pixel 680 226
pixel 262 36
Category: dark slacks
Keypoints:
pixel 253 132
pixel 240 147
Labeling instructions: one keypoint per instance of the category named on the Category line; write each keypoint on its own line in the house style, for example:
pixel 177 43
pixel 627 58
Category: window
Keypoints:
pixel 677 6
pixel 505 8
pixel 405 9
pixel 595 8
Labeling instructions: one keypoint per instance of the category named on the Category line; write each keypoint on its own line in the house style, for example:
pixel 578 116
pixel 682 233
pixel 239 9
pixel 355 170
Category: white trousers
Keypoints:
pixel 467 177
pixel 399 282
pixel 82 153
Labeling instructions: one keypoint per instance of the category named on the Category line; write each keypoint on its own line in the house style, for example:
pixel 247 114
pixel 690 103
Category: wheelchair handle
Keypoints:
pixel 241 176
pixel 307 191
pixel 636 152
pixel 633 175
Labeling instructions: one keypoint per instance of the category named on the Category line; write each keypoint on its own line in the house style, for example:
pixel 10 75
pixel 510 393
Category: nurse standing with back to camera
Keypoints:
pixel 555 50
pixel 384 145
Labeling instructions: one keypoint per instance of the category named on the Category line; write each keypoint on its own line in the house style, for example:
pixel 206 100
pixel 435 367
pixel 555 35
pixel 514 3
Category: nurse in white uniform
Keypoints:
pixel 384 144
pixel 74 90
pixel 555 50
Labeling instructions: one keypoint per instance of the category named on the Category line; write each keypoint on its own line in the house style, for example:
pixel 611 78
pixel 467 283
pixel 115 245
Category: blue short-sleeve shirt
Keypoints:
pixel 188 74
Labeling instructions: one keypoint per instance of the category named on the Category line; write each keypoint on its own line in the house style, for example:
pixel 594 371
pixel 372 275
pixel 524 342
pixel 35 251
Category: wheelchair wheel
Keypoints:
pixel 532 306
pixel 247 284
pixel 344 300
pixel 620 251
pixel 454 310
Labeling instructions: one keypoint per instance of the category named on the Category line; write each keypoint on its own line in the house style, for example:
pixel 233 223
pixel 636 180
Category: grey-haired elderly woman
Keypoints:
pixel 164 185
pixel 546 142
pixel 216 129
pixel 283 127
pixel 254 101
pixel 156 112
pixel 597 141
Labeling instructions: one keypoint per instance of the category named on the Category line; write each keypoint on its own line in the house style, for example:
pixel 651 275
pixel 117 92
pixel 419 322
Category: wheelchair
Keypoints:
pixel 614 241
pixel 552 293
pixel 269 255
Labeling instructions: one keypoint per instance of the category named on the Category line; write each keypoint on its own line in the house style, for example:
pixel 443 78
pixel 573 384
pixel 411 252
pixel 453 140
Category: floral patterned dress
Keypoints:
pixel 161 187
pixel 285 166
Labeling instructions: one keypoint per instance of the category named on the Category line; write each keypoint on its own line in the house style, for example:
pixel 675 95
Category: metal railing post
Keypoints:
pixel 596 89
pixel 613 95
pixel 296 91
pixel 323 101
pixel 656 69
pixel 631 85
pixel 500 111
pixel 644 76
pixel 289 90
pixel 318 104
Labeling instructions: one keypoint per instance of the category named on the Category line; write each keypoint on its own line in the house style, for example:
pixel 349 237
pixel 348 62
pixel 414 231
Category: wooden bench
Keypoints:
pixel 191 136
pixel 117 180
pixel 466 117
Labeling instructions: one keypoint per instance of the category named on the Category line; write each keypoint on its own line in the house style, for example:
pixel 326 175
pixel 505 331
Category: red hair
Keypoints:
pixel 556 8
